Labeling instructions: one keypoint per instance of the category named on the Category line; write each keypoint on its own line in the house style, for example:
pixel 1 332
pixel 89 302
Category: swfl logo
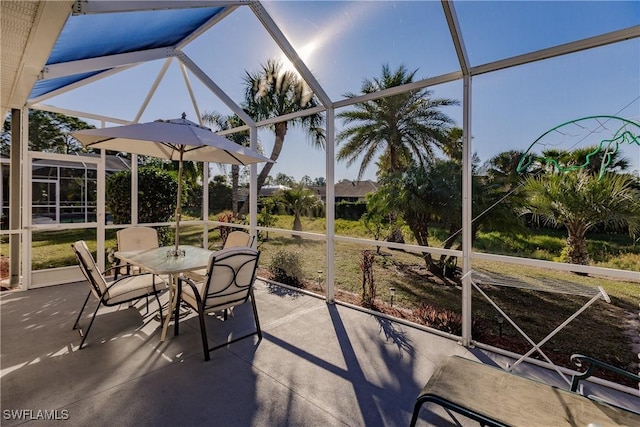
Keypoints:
pixel 31 415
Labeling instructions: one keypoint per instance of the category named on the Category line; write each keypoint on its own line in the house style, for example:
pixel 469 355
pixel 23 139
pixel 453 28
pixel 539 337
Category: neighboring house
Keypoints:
pixel 354 191
pixel 345 191
pixel 270 190
pixel 62 191
pixel 348 191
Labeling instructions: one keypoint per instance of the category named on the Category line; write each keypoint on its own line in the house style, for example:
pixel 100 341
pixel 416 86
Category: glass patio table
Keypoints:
pixel 161 261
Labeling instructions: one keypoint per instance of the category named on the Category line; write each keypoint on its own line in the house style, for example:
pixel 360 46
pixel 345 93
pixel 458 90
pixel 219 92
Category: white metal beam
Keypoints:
pixel 456 35
pixel 253 185
pixel 15 176
pixel 463 59
pixel 291 116
pixel 79 114
pixel 194 101
pixel 560 266
pixel 277 35
pixel 152 90
pixel 101 209
pixel 26 202
pixel 104 62
pixel 467 211
pixel 330 210
pixel 85 7
pixel 206 26
pixel 563 49
pixel 396 90
pixel 213 87
pixel 234 130
pixel 78 84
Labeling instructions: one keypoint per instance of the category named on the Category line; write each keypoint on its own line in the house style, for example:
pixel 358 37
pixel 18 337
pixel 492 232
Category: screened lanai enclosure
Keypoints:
pixel 499 141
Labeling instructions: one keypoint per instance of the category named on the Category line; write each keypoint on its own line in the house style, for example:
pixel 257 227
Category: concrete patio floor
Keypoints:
pixel 317 365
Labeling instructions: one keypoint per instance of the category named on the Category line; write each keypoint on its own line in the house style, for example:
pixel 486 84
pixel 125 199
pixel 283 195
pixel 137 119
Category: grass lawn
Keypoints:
pixel 536 312
pixel 602 331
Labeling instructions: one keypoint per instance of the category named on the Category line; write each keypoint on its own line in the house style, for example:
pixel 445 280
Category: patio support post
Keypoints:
pixel 330 203
pixel 14 201
pixel 205 204
pixel 466 211
pixel 134 189
pixel 253 183
pixel 26 200
pixel 101 209
pixel 463 59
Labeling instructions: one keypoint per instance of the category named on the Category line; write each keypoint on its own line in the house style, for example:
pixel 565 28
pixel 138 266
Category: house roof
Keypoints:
pixel 354 189
pixel 112 163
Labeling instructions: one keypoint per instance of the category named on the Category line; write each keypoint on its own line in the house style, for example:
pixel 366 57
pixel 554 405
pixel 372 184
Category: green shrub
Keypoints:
pixel 350 210
pixel 286 267
pixel 157 190
pixel 219 196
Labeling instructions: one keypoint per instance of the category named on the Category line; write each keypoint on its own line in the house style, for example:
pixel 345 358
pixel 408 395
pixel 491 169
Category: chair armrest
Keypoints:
pixel 115 267
pixel 579 360
pixel 193 286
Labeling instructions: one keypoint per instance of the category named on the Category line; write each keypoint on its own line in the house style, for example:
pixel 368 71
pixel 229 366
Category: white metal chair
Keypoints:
pixel 228 283
pixel 116 292
pixel 135 239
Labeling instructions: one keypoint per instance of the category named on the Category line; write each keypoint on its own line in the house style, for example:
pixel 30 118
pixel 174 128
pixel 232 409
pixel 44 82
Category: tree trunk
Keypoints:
pixel 577 250
pixel 368 280
pixel 446 264
pixel 235 177
pixel 297 223
pixel 396 234
pixel 419 226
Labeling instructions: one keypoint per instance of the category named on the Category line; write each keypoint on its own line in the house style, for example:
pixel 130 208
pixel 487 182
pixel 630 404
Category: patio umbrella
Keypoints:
pixel 176 139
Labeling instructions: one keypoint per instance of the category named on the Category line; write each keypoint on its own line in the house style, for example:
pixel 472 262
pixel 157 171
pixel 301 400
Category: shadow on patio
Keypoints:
pixel 317 364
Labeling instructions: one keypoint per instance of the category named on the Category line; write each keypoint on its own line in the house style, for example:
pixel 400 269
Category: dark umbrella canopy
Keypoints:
pixel 176 139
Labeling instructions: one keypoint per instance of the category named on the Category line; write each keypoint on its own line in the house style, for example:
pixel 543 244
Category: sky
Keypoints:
pixel 343 43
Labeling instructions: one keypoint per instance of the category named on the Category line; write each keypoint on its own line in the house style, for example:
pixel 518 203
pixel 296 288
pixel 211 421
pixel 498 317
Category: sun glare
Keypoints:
pixel 305 53
pixel 332 29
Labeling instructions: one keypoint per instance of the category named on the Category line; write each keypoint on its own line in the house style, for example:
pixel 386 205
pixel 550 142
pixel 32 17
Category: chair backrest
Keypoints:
pixel 230 277
pixel 238 238
pixel 96 280
pixel 137 238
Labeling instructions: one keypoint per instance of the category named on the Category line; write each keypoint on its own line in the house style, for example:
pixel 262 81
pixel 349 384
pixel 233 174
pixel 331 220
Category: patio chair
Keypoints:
pixel 135 239
pixel 238 238
pixel 234 239
pixel 116 292
pixel 229 282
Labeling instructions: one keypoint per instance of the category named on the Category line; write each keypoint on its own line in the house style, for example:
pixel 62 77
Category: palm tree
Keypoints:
pixel 399 128
pixel 241 138
pixel 452 148
pixel 579 200
pixel 591 158
pixel 299 200
pixel 502 169
pixel 273 92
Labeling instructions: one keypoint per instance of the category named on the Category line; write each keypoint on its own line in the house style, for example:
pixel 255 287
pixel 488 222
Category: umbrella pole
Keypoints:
pixel 179 202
